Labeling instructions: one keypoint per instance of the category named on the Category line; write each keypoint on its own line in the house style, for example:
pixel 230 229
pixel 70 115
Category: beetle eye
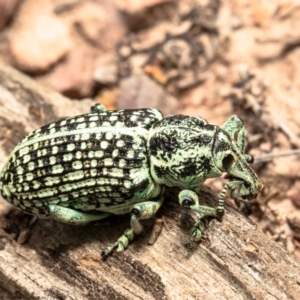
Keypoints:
pixel 227 161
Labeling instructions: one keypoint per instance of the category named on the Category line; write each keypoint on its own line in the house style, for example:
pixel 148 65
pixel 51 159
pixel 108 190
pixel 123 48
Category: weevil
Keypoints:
pixel 88 167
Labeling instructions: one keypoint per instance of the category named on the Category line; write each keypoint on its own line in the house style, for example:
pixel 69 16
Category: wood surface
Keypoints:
pixel 234 260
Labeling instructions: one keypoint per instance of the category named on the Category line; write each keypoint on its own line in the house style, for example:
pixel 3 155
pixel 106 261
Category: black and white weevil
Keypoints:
pixel 103 163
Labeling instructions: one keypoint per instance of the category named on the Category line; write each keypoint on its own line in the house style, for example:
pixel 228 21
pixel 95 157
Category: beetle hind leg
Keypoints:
pixel 71 216
pixel 140 211
pixel 98 108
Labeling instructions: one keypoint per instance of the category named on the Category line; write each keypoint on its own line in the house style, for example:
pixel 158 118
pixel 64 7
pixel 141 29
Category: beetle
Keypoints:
pixel 88 167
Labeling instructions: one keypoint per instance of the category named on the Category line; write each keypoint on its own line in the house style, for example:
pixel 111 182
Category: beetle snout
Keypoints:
pixel 251 190
pixel 244 188
pixel 249 185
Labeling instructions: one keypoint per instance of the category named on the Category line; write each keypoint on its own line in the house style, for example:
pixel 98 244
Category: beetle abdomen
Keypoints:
pixel 75 163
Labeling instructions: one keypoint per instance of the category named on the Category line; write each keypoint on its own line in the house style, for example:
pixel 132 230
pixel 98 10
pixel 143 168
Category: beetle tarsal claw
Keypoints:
pixel 189 244
pixel 196 233
pixel 108 250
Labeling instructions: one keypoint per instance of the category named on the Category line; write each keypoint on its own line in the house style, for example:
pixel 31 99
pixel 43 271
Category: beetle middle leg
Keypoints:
pixel 139 211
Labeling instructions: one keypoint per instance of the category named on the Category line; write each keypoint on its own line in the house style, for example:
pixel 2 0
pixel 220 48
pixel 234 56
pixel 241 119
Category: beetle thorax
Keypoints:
pixel 180 149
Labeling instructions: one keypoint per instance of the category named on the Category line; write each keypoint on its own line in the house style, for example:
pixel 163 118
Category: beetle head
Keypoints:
pixel 229 157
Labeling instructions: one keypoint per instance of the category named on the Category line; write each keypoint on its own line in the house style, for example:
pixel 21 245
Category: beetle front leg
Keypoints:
pixel 234 186
pixel 140 211
pixel 189 200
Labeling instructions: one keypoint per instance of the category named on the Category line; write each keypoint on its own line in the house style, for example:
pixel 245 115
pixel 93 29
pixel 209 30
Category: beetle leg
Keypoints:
pixel 71 216
pixel 232 185
pixel 189 199
pixel 139 211
pixel 197 231
pixel 98 108
pixel 120 244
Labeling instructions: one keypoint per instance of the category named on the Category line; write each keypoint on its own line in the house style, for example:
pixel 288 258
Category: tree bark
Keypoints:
pixel 234 260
